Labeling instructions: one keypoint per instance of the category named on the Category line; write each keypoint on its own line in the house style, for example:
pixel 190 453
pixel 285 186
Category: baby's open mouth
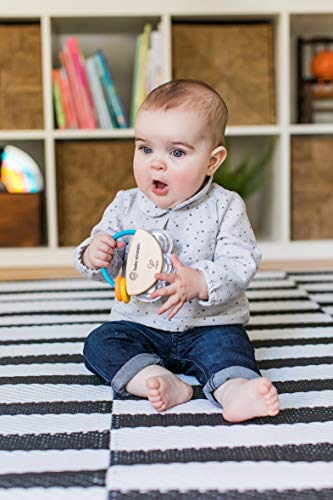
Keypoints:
pixel 160 188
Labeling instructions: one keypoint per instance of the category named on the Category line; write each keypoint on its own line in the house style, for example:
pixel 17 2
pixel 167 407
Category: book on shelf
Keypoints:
pixel 57 99
pixel 80 99
pixel 111 91
pixel 134 106
pixel 93 73
pixel 67 100
pixel 147 66
pixel 73 47
pixel 154 72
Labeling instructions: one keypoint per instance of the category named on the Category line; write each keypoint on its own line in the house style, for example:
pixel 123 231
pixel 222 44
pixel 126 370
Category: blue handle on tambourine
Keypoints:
pixel 126 232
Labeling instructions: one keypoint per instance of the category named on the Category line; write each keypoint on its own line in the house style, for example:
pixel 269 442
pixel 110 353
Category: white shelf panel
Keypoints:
pixel 252 130
pixel 36 257
pixel 119 133
pixel 311 129
pixel 297 250
pixel 22 135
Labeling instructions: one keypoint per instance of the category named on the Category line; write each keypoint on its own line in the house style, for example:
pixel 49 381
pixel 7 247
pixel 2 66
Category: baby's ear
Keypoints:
pixel 217 157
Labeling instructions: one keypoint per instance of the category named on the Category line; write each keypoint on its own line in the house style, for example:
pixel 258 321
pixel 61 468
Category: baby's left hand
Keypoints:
pixel 185 284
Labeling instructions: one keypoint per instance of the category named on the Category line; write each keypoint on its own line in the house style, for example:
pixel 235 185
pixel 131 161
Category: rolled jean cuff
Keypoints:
pixel 130 369
pixel 222 376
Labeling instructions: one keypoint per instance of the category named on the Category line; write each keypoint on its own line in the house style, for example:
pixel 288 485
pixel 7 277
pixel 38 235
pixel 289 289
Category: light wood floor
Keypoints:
pixel 69 272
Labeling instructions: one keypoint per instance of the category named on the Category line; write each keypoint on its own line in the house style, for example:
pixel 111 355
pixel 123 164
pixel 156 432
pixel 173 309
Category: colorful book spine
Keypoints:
pixel 100 73
pixel 58 106
pixel 82 107
pixel 154 73
pixel 135 79
pixel 74 48
pixel 141 76
pixel 70 115
pixel 67 63
pixel 111 91
pixel 102 112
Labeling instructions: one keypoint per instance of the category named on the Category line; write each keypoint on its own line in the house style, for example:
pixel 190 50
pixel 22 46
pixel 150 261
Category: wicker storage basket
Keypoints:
pixel 21 94
pixel 236 59
pixel 20 219
pixel 312 188
pixel 89 174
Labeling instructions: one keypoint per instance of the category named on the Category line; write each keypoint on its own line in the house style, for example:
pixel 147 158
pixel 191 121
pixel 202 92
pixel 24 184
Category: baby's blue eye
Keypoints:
pixel 146 150
pixel 177 153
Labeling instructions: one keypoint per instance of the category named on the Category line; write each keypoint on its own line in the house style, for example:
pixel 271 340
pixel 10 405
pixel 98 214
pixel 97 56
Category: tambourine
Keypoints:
pixel 149 253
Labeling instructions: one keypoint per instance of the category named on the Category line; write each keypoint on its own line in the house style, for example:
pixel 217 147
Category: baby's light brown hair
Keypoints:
pixel 192 95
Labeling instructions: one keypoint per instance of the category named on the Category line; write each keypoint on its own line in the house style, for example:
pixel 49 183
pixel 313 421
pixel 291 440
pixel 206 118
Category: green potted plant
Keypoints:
pixel 246 177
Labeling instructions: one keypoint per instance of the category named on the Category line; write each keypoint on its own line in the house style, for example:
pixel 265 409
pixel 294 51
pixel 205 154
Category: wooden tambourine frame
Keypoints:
pixel 144 260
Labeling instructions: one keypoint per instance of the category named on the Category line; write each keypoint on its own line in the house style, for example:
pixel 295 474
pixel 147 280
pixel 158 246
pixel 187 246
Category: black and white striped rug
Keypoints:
pixel 63 436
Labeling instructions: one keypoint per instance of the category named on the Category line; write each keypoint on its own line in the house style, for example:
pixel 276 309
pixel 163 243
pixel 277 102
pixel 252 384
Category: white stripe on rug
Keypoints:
pixel 45 319
pixel 25 393
pixel 54 423
pixel 20 462
pixel 40 493
pixel 164 438
pixel 221 476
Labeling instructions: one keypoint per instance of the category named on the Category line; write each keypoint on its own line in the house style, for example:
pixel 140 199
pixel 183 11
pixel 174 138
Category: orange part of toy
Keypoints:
pixel 322 65
pixel 125 297
pixel 117 287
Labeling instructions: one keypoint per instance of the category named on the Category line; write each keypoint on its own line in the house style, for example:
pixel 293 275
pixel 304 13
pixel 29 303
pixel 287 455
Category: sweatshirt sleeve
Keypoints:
pixel 109 224
pixel 236 256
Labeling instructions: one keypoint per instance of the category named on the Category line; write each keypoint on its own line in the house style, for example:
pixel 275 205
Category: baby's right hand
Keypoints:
pixel 100 251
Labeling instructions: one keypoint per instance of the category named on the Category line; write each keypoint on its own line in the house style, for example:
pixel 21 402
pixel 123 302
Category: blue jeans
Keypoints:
pixel 118 350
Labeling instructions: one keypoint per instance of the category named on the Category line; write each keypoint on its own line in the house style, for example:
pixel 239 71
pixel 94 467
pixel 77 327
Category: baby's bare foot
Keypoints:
pixel 165 391
pixel 244 399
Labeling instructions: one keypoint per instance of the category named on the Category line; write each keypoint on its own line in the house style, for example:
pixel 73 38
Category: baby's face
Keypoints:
pixel 172 155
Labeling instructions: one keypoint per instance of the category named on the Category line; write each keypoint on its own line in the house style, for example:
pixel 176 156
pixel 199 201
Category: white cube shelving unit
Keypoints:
pixel 114 26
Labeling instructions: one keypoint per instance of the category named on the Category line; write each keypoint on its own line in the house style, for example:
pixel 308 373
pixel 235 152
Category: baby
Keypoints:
pixel 197 328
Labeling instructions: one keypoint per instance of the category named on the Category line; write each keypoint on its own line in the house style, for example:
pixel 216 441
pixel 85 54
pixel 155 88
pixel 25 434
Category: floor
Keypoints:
pixel 65 436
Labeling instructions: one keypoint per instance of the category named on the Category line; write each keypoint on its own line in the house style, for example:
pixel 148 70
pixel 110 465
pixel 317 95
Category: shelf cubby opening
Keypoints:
pixel 116 36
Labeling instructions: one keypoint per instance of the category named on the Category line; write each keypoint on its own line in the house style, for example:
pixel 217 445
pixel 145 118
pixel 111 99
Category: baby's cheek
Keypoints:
pixel 182 181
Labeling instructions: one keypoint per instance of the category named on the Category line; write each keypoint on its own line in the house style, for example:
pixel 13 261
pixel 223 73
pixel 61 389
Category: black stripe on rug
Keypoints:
pixel 285 362
pixel 306 494
pixel 296 324
pixel 63 479
pixel 92 440
pixel 292 453
pixel 288 416
pixel 291 341
pixel 43 358
pixel 43 341
pixel 54 379
pixel 56 408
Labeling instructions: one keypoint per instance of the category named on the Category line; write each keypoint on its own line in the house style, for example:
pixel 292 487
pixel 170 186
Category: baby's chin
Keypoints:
pixel 162 202
pixel 165 205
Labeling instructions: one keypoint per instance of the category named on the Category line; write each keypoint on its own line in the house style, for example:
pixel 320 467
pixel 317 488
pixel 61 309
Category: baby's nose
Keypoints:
pixel 158 164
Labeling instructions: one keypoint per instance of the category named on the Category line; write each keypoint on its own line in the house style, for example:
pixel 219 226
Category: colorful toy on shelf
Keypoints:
pixel 322 66
pixel 149 253
pixel 19 172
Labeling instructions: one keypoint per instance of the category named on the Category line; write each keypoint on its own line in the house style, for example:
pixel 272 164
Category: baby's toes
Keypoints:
pixel 158 405
pixel 273 405
pixel 264 386
pixel 272 411
pixel 153 393
pixel 154 399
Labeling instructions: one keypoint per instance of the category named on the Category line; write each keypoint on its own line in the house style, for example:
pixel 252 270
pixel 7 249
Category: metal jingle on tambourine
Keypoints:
pixel 167 266
pixel 164 240
pixel 145 297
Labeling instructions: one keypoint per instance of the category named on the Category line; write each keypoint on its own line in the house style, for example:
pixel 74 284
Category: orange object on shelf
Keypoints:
pixel 322 66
